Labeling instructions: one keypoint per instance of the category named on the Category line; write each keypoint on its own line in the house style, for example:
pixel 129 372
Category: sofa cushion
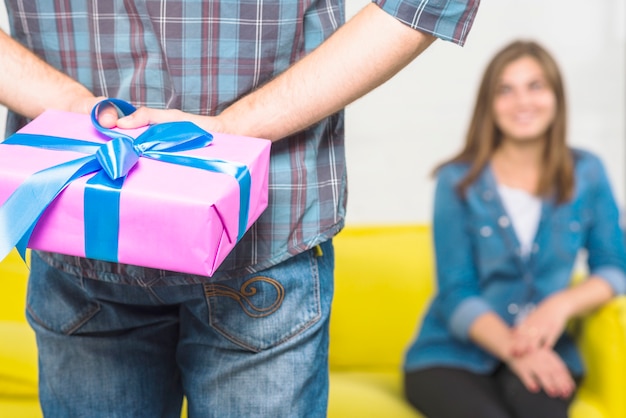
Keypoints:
pixel 18 350
pixel 383 280
pixel 20 408
pixel 367 394
pixel 18 360
pixel 13 279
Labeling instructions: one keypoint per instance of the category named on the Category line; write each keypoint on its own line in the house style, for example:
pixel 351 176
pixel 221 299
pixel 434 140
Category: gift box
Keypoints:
pixel 174 210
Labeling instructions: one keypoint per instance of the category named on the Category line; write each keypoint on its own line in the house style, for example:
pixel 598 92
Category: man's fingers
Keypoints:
pixel 146 116
pixel 84 104
pixel 108 117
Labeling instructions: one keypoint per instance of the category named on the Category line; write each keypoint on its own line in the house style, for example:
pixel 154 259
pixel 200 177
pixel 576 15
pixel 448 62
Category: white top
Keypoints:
pixel 524 210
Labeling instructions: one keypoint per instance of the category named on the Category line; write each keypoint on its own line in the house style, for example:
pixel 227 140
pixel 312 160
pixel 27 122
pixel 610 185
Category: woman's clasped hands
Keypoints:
pixel 533 358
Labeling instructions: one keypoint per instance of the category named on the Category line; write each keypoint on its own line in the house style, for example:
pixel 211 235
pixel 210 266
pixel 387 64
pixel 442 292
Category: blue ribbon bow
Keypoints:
pixel 111 162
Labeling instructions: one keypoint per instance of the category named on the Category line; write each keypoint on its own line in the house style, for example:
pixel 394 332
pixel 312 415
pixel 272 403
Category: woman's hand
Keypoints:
pixel 542 327
pixel 543 369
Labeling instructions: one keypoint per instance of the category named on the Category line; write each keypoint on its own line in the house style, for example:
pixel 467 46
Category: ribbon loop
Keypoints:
pixel 122 108
pixel 120 154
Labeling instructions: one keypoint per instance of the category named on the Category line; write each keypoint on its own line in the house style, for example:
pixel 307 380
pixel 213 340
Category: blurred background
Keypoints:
pixel 398 133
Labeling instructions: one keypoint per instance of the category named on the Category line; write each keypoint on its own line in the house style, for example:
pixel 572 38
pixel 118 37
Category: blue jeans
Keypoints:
pixel 256 346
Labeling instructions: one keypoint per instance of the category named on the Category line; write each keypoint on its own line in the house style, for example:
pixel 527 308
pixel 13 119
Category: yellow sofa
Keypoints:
pixel 18 353
pixel 384 278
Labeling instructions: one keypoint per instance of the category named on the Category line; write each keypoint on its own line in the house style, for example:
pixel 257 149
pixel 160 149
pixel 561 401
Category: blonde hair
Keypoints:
pixel 483 136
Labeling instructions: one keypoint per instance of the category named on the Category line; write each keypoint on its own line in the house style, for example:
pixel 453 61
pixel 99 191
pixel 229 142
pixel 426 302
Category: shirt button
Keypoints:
pixel 504 221
pixel 485 231
pixel 574 226
pixel 535 248
pixel 487 195
pixel 513 308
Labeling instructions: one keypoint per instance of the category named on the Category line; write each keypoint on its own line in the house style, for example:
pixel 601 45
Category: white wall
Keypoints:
pixel 3 26
pixel 396 134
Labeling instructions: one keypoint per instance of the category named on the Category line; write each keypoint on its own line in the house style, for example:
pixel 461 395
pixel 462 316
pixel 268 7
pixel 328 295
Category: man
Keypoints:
pixel 120 340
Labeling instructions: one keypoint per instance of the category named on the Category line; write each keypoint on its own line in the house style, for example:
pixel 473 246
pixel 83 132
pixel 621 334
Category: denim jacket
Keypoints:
pixel 480 267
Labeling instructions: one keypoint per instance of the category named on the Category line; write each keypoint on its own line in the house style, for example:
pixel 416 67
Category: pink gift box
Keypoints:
pixel 171 217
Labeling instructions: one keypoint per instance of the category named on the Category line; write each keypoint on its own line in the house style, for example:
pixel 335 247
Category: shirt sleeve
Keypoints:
pixel 459 300
pixel 450 20
pixel 605 242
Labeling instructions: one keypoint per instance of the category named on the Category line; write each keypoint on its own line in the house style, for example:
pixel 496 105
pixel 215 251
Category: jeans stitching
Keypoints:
pixel 303 326
pixel 84 316
pixel 246 290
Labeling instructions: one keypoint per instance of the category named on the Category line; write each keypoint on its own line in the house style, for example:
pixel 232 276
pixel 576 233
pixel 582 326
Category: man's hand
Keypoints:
pixel 147 116
pixel 85 104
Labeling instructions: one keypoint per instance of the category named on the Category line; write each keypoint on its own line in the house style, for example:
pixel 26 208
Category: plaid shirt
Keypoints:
pixel 200 56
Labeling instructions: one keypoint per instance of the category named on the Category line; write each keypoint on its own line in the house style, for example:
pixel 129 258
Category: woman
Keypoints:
pixel 512 211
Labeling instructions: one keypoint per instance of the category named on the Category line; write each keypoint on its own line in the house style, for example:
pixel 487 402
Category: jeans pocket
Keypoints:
pixel 56 300
pixel 262 310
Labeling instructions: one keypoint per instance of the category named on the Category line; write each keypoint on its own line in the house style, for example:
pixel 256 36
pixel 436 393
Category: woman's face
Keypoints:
pixel 524 105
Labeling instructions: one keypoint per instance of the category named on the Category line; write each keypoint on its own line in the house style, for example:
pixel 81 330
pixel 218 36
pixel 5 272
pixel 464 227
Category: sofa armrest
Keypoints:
pixel 602 341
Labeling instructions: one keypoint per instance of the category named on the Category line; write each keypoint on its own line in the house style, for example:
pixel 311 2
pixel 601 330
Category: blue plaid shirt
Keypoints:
pixel 200 56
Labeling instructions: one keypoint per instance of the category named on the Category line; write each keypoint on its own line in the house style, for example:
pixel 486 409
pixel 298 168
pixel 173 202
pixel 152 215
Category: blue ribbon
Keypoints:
pixel 111 162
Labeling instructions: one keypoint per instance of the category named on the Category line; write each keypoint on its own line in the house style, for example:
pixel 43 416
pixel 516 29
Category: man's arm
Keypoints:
pixel 360 56
pixel 29 86
pixel 364 53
